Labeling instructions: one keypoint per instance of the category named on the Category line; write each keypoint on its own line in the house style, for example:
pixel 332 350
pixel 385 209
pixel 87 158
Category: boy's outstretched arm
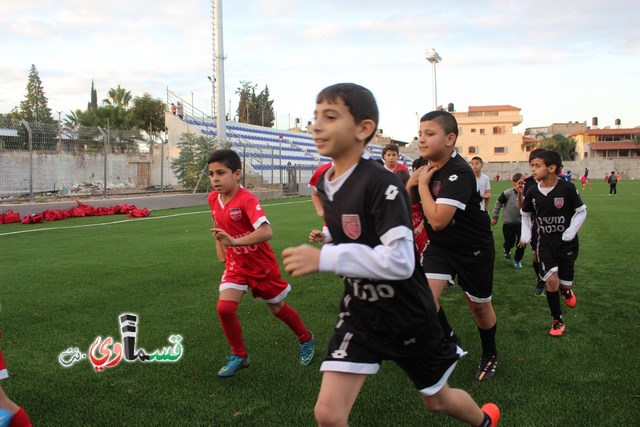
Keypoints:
pixel 577 220
pixel 259 235
pixel 301 260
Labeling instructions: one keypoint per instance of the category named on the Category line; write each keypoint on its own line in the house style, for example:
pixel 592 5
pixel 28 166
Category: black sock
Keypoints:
pixel 553 299
pixel 488 340
pixel 444 324
pixel 536 268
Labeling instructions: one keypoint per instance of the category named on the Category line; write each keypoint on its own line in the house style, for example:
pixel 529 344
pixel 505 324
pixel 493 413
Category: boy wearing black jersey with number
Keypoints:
pixel 461 243
pixel 387 311
pixel 559 213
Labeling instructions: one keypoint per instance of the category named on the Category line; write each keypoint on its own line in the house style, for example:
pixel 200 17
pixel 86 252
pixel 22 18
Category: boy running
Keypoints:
pixel 559 214
pixel 241 230
pixel 511 221
pixel 522 188
pixel 387 311
pixel 460 239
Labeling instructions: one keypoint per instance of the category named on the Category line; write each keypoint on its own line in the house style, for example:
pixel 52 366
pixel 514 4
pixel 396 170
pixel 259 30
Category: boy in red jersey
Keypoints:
pixel 241 230
pixel 11 415
pixel 315 199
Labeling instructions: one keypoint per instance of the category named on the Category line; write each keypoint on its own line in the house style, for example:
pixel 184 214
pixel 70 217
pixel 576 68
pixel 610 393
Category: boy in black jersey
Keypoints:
pixel 387 311
pixel 559 213
pixel 461 243
pixel 522 187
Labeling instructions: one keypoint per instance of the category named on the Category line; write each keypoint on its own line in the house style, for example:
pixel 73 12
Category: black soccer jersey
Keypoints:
pixel 528 183
pixel 552 212
pixel 455 184
pixel 398 315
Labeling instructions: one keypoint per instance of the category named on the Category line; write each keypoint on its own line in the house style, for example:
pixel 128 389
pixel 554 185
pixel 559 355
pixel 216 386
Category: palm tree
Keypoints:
pixel 118 97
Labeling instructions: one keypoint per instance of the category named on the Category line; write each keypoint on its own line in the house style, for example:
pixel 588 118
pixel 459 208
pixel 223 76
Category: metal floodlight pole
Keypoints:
pixel 433 57
pixel 221 125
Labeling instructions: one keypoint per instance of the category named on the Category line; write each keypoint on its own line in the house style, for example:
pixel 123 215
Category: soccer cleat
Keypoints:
pixel 234 364
pixel 492 410
pixel 569 298
pixel 540 288
pixel 517 265
pixel 557 329
pixel 487 368
pixel 307 350
pixel 507 254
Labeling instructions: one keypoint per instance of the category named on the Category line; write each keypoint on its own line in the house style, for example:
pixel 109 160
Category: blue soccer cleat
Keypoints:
pixel 234 364
pixel 307 350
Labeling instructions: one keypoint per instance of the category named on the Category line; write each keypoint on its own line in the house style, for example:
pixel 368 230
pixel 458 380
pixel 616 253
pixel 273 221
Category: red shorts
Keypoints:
pixel 271 289
pixel 3 368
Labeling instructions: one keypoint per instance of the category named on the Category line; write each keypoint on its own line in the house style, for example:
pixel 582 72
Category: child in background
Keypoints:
pixel 484 185
pixel 559 213
pixel 242 230
pixel 511 221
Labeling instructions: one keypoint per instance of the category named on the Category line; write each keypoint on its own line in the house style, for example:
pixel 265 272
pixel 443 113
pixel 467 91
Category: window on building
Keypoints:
pixel 497 130
pixel 499 150
pixel 473 130
pixel 481 131
pixel 472 150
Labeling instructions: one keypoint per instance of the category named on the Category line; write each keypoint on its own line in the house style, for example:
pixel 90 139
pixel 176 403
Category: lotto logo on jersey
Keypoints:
pixel 351 226
pixel 558 202
pixel 235 214
pixel 436 187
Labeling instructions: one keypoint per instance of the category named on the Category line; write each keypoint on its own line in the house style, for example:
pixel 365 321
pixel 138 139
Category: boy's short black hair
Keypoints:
pixel 390 147
pixel 516 177
pixel 478 158
pixel 360 101
pixel 549 158
pixel 229 158
pixel 403 175
pixel 534 153
pixel 444 119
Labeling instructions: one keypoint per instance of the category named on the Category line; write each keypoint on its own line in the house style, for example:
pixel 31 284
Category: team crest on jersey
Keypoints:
pixel 235 214
pixel 351 226
pixel 558 202
pixel 436 187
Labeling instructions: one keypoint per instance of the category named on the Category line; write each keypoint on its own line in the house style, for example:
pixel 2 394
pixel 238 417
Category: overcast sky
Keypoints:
pixel 556 60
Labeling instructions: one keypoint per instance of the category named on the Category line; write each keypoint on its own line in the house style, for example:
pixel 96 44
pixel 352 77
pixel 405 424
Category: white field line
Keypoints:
pixel 124 221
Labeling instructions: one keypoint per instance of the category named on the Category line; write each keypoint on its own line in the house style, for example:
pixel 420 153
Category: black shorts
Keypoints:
pixel 561 260
pixel 474 268
pixel 356 352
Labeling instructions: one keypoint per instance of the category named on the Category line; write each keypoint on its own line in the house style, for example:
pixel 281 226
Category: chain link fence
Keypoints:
pixel 42 161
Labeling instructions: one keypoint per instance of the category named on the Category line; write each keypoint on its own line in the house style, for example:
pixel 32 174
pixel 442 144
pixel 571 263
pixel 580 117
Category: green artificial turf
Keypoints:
pixel 64 286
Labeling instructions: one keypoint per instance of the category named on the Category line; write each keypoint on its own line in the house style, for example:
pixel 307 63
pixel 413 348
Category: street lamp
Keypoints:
pixel 433 57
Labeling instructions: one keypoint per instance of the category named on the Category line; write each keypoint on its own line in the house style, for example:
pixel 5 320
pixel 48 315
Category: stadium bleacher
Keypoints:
pixel 269 149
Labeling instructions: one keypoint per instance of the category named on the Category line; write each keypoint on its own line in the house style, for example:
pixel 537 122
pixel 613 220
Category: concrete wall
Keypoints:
pixel 52 170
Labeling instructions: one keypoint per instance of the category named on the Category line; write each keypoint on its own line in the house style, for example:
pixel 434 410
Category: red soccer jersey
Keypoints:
pixel 316 175
pixel 399 167
pixel 240 217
